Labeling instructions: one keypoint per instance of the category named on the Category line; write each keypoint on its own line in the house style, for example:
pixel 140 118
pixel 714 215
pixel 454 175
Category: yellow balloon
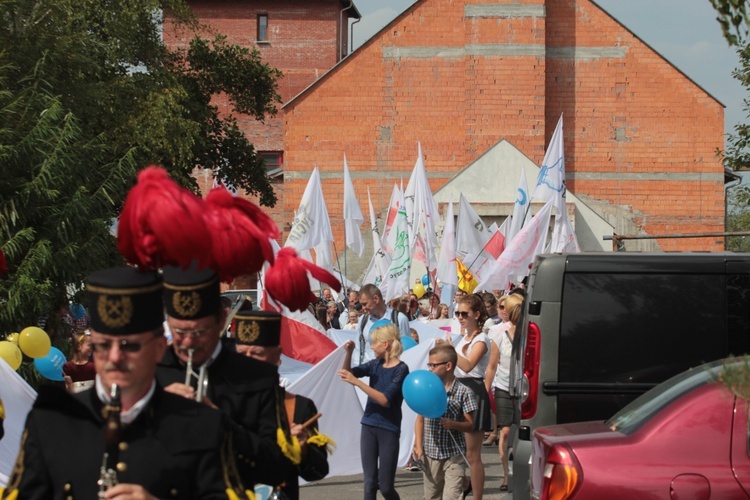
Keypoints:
pixel 34 342
pixel 11 354
pixel 419 290
pixel 12 337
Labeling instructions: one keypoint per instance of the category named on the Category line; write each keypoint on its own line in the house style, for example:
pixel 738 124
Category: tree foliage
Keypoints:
pixel 733 18
pixel 89 94
pixel 738 217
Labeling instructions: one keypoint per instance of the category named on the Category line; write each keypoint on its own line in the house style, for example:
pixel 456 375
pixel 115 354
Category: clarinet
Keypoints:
pixel 108 471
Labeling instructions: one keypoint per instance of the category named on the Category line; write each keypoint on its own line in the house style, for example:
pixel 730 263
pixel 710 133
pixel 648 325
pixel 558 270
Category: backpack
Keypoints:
pixel 362 323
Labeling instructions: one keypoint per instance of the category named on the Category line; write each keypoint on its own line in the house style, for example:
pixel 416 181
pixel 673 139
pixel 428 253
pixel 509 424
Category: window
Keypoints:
pixel 274 161
pixel 262 28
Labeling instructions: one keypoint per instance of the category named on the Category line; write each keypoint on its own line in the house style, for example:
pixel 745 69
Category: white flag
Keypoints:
pixel 311 228
pixel 389 236
pixel 353 218
pixel 521 209
pixel 471 231
pixel 380 261
pixel 563 237
pixel 397 279
pixel 446 269
pixel 550 185
pixel 424 211
pixel 521 251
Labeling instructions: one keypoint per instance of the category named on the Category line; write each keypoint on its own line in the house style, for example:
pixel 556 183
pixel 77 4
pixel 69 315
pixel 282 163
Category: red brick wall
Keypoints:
pixel 637 131
pixel 631 116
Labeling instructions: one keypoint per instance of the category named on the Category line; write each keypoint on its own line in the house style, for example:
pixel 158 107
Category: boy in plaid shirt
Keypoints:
pixel 439 442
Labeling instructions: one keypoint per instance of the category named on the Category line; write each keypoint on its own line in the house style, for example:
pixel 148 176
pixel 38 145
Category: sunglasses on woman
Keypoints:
pixel 462 314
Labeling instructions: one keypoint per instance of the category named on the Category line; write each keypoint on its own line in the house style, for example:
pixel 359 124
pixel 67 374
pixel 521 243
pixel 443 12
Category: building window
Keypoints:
pixel 274 162
pixel 262 28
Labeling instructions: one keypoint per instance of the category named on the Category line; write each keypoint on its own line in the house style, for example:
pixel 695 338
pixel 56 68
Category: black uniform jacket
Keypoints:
pixel 248 394
pixel 314 466
pixel 172 448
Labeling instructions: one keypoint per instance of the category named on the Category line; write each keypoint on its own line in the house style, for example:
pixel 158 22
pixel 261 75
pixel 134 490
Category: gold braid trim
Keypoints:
pixel 288 444
pixel 234 488
pixel 319 439
pixel 11 491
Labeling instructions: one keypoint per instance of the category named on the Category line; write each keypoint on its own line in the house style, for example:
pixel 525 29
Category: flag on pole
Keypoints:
pixel 353 218
pixel 521 208
pixel 388 239
pixel 550 185
pixel 471 232
pixel 424 211
pixel 446 268
pixel 483 263
pixel 397 278
pixel 311 228
pixel 564 239
pixel 380 261
pixel 466 280
pixel 520 252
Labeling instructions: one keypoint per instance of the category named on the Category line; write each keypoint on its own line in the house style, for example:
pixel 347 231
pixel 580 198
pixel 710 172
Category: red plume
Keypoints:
pixel 240 232
pixel 287 282
pixel 3 265
pixel 162 224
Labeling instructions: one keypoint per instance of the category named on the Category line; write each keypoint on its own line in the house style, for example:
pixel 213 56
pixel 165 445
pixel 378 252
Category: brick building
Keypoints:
pixel 463 76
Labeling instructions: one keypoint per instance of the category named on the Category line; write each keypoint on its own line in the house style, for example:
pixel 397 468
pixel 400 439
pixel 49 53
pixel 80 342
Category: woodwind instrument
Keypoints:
pixel 108 471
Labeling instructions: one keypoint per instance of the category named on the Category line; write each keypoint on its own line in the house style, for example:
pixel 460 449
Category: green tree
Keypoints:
pixel 733 18
pixel 738 217
pixel 89 94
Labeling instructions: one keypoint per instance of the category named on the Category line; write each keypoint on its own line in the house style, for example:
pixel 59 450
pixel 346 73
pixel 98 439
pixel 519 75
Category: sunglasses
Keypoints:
pixel 462 314
pixel 125 346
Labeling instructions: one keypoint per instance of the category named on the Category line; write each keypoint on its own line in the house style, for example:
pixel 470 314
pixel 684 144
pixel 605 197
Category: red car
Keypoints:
pixel 685 438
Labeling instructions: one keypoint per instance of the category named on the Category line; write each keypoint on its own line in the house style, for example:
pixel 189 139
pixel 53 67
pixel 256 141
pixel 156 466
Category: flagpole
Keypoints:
pixel 343 282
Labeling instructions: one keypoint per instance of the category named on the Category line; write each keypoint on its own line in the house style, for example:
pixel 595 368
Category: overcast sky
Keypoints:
pixel 683 31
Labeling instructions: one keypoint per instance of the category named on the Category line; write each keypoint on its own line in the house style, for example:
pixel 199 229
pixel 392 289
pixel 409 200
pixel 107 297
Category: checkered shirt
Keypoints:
pixel 439 442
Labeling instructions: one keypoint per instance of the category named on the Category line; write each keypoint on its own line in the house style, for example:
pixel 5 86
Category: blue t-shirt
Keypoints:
pixel 389 382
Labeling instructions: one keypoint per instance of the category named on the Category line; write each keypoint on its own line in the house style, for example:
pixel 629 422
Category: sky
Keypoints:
pixel 685 32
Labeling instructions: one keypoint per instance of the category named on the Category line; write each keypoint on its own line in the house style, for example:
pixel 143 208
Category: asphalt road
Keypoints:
pixel 408 484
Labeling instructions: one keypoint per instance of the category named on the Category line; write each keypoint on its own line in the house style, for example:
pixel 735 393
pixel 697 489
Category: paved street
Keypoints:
pixel 408 484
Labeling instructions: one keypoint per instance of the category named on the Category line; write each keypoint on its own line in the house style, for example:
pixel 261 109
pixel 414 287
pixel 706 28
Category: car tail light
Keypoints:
pixel 562 474
pixel 531 372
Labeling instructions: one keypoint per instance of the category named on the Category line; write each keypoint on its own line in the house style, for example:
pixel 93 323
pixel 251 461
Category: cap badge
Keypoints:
pixel 248 332
pixel 115 311
pixel 186 304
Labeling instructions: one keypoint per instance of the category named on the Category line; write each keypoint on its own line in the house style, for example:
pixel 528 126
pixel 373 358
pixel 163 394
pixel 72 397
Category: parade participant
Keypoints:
pixel 244 389
pixel 80 368
pixel 440 442
pixel 381 422
pixel 258 335
pixel 473 358
pixel 126 432
pixel 375 308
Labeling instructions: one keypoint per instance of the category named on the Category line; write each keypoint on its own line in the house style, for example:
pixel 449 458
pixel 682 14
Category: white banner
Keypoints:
pixel 353 218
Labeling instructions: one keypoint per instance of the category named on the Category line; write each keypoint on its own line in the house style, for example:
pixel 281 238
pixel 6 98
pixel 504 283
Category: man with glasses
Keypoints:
pixel 245 390
pixel 151 444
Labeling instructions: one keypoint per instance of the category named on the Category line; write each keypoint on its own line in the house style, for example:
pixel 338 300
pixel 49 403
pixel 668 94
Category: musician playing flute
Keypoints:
pixel 158 445
pixel 258 336
pixel 245 390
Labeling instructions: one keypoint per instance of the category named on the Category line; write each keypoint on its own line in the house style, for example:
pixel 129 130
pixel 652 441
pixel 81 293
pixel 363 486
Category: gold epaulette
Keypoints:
pixel 319 439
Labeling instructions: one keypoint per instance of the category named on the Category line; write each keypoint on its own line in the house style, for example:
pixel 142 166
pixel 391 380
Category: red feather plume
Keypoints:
pixel 241 234
pixel 287 282
pixel 3 265
pixel 162 224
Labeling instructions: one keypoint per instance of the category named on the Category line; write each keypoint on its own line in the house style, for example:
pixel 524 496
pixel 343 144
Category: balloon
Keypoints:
pixel 77 311
pixel 381 322
pixel 408 342
pixel 419 290
pixel 424 392
pixel 11 354
pixel 50 366
pixel 426 279
pixel 12 337
pixel 34 342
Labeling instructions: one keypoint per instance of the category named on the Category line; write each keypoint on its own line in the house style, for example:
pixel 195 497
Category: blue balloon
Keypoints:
pixel 408 342
pixel 424 392
pixel 51 365
pixel 426 279
pixel 381 322
pixel 78 311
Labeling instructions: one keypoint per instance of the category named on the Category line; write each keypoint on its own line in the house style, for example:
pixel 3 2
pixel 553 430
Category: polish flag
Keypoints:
pixel 302 336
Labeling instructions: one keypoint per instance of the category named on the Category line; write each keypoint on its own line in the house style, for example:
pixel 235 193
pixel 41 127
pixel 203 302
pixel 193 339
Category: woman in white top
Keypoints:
pixel 499 372
pixel 473 357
